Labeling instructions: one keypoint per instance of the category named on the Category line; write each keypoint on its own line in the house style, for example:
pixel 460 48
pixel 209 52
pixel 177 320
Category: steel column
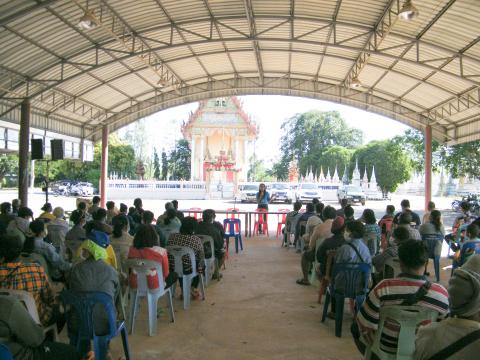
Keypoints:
pixel 428 165
pixel 23 142
pixel 104 167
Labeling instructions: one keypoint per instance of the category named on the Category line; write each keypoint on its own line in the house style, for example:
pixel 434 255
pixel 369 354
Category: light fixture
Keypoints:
pixel 88 21
pixel 355 84
pixel 408 11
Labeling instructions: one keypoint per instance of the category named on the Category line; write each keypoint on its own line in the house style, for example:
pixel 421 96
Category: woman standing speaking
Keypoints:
pixel 263 198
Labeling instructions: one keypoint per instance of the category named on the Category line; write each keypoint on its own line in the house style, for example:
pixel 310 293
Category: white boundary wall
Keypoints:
pixel 162 190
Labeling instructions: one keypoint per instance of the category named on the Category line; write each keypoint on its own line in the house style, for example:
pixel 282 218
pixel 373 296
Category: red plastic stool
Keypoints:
pixel 195 214
pixel 281 220
pixel 260 219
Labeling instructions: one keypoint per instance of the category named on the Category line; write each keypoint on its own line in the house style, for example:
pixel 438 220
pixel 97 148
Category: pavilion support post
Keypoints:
pixel 23 141
pixel 428 165
pixel 104 167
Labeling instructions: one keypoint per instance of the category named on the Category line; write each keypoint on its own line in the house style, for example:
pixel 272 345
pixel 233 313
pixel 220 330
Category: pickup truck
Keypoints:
pixel 353 194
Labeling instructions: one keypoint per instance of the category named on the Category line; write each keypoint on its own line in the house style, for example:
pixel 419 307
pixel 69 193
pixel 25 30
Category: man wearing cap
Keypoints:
pixel 457 337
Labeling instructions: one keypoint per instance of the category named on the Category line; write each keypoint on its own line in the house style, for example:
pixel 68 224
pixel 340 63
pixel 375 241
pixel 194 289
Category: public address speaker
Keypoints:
pixel 36 146
pixel 56 145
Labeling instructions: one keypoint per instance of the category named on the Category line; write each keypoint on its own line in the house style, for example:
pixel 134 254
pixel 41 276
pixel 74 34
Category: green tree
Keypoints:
pixel 259 172
pixel 462 159
pixel 164 165
pixel 392 164
pixel 179 161
pixel 156 165
pixel 327 159
pixel 8 165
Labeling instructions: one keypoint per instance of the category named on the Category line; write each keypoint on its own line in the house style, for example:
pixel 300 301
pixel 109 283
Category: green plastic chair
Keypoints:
pixel 409 317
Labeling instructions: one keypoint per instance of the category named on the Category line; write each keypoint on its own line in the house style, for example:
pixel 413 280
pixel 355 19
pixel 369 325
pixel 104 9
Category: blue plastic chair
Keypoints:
pixel 142 269
pixel 5 353
pixel 233 228
pixel 210 262
pixel 354 275
pixel 84 303
pixel 178 252
pixel 431 241
pixel 468 248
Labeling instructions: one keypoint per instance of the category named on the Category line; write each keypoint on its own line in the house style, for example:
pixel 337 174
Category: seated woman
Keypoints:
pixel 94 274
pixel 145 246
pixel 472 236
pixel 47 215
pixel 373 232
pixel 103 240
pixel 170 224
pixel 76 235
pixel 28 256
pixel 57 266
pixel 57 229
pixel 120 239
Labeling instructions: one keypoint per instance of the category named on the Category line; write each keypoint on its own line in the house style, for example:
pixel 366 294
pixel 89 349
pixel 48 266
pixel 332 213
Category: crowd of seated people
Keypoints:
pixel 90 254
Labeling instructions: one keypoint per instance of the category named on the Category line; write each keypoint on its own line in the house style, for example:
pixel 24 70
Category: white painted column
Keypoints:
pixel 192 160
pixel 236 151
pixel 245 160
pixel 202 156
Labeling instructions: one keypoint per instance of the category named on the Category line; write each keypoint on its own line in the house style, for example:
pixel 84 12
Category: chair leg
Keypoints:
pixel 339 304
pixel 100 347
pixel 152 315
pixel 236 244
pixel 170 305
pixel 240 239
pixel 187 284
pixel 436 264
pixel 321 290
pixel 133 310
pixel 126 348
pixel 202 286
pixel 326 305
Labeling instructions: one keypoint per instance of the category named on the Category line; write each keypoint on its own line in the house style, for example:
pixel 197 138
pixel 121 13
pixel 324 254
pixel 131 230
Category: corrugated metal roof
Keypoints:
pixel 167 52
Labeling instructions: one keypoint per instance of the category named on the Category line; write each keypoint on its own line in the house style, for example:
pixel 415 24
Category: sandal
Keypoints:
pixel 303 282
pixel 196 294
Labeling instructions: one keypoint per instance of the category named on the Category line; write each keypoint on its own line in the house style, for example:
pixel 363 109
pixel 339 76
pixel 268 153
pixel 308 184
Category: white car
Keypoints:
pixel 307 192
pixel 248 193
pixel 280 192
pixel 353 194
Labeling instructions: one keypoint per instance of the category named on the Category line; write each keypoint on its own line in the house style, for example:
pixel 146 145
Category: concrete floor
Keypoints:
pixel 256 311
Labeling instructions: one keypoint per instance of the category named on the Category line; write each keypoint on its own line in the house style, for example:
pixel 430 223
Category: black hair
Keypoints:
pixel 119 224
pixel 131 210
pixel 110 205
pixel 175 204
pixel 147 217
pixel 319 207
pixel 145 237
pixel 329 212
pixel 208 215
pixel 401 234
pixel 472 231
pixel 465 205
pixel 95 199
pixel 11 247
pixel 436 219
pixel 390 209
pixel 137 203
pixel 315 201
pixel 343 202
pixel 37 227
pixel 171 214
pixel 310 207
pixel 405 203
pixel 369 216
pixel 356 229
pixel 413 254
pixel 348 211
pixel 297 205
pixel 5 207
pixel 77 216
pixel 47 207
pixel 82 205
pixel 24 211
pixel 405 218
pixel 431 205
pixel 29 245
pixel 168 205
pixel 100 214
pixel 189 225
pixel 123 207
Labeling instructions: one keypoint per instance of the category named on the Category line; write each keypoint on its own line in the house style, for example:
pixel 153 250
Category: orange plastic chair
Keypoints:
pixel 195 214
pixel 260 219
pixel 281 220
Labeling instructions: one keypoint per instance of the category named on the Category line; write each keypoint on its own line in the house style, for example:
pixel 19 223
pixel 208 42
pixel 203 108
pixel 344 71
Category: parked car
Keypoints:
pixel 82 189
pixel 280 192
pixel 60 187
pixel 307 192
pixel 353 194
pixel 248 193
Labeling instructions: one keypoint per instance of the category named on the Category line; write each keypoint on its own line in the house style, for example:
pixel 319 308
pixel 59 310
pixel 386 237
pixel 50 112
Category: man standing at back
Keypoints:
pixel 405 204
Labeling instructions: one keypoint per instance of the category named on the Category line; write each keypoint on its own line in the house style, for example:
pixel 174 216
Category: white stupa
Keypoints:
pixel 321 176
pixel 365 179
pixel 345 179
pixel 356 175
pixel 335 178
pixel 373 180
pixel 328 178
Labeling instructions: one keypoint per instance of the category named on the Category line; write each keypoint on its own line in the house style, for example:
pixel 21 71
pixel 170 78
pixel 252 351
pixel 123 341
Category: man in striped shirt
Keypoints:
pixel 413 257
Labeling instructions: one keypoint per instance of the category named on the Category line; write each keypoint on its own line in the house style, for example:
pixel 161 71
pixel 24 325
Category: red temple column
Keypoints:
pixel 104 167
pixel 23 140
pixel 428 165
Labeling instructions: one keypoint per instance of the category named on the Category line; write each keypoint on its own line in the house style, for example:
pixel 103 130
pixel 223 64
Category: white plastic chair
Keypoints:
pixel 391 268
pixel 178 252
pixel 210 262
pixel 143 268
pixel 27 298
pixel 409 317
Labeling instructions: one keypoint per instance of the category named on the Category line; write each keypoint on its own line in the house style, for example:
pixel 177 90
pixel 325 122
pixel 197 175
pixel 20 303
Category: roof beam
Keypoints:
pixel 26 11
pixel 253 34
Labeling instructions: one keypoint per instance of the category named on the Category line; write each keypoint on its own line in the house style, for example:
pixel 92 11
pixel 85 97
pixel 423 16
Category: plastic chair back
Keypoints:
pixel 178 252
pixel 469 249
pixel 26 298
pixel 143 269
pixel 409 318
pixel 232 213
pixel 232 226
pixel 56 236
pixel 353 276
pixel 195 212
pixel 209 261
pixel 5 353
pixel 391 268
pixel 431 241
pixel 282 218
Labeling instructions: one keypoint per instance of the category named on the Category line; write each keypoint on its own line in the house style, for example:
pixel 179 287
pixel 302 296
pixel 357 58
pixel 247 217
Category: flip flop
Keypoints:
pixel 303 282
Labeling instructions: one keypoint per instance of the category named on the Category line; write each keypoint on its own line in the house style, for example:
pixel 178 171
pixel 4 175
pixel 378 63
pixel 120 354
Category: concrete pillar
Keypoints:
pixel 104 167
pixel 23 143
pixel 428 165
pixel 245 160
pixel 202 156
pixel 192 160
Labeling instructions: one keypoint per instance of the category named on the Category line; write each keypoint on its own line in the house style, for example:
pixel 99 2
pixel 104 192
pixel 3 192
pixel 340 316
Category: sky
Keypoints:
pixel 269 112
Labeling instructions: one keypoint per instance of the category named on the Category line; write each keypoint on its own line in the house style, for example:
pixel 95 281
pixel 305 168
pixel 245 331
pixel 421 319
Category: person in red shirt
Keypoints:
pixel 146 247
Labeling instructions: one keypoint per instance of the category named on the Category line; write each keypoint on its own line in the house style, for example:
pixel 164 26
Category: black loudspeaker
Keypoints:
pixel 36 149
pixel 56 146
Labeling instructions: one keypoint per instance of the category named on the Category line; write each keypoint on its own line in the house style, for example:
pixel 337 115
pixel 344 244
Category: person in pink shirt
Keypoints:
pixel 146 247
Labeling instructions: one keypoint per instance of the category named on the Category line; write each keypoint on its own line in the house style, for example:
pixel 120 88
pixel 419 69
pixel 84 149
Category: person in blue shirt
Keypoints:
pixel 263 199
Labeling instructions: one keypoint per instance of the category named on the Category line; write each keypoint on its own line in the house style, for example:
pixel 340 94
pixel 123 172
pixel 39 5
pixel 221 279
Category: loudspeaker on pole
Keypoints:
pixel 56 145
pixel 36 146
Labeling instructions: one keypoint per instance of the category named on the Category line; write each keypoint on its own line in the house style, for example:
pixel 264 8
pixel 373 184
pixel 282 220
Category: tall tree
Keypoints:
pixel 392 165
pixel 156 165
pixel 462 159
pixel 8 165
pixel 164 165
pixel 179 161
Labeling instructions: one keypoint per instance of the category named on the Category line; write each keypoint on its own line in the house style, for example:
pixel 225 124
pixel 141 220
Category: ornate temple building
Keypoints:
pixel 219 133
